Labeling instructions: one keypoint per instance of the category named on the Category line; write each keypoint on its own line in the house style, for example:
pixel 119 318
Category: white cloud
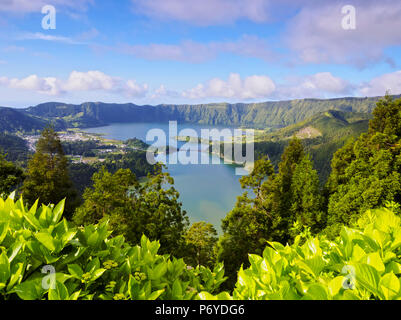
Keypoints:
pixel 319 85
pixel 91 80
pixel 205 12
pixel 133 89
pixel 77 81
pixel 378 86
pixel 317 36
pixel 46 37
pixel 252 87
pixel 27 6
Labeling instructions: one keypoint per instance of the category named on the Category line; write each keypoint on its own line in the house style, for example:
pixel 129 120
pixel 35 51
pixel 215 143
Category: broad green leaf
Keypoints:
pixel 60 292
pixel 368 278
pixel 390 286
pixel 335 285
pixel 3 230
pixel 16 275
pixel 30 290
pixel 58 211
pixel 47 240
pixel 75 270
pixel 176 289
pixel 4 268
pixel 374 260
pixel 156 294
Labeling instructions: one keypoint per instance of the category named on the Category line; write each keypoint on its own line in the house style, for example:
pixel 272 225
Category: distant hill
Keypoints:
pixel 273 114
pixel 17 120
pixel 321 134
pixel 13 120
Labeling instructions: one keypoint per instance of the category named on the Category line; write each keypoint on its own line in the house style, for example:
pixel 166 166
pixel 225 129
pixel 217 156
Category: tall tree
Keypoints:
pixel 10 176
pixel 47 176
pixel 367 173
pixel 268 215
pixel 307 201
pixel 135 208
pixel 201 239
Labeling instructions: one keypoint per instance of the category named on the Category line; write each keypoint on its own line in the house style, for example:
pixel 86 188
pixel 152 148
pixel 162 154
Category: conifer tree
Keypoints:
pixel 306 198
pixel 47 176
pixel 367 173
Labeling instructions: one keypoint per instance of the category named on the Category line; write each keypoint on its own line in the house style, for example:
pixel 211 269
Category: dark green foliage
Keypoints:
pixel 322 135
pixel 307 202
pixel 10 177
pixel 367 173
pixel 15 148
pixel 47 174
pixel 135 160
pixel 200 239
pixel 292 195
pixel 135 208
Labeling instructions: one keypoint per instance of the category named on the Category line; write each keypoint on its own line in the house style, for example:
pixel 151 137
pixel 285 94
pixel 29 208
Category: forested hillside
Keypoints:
pixel 260 115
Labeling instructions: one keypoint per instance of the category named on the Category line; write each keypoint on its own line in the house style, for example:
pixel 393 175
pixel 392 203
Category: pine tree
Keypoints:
pixel 266 216
pixel 307 201
pixel 47 177
pixel 367 173
pixel 201 239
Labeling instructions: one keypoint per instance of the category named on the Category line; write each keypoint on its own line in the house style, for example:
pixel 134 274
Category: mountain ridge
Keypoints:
pixel 273 114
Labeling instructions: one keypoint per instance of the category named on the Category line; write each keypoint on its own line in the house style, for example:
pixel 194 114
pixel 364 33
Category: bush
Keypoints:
pixel 88 263
pixel 363 263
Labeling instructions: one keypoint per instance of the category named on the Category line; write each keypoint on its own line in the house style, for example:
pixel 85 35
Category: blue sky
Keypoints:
pixel 187 51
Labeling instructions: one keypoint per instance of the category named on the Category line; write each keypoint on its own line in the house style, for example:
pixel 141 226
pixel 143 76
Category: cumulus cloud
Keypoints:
pixel 319 85
pixel 317 36
pixel 378 86
pixel 252 87
pixel 206 12
pixel 77 81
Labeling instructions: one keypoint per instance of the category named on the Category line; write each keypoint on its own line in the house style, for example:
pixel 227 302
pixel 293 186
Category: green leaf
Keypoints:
pixel 156 294
pixel 3 230
pixel 177 289
pixel 75 270
pixel 4 268
pixel 367 277
pixel 47 240
pixel 30 290
pixel 317 292
pixel 335 285
pixel 390 286
pixel 58 211
pixel 16 275
pixel 159 271
pixel 60 292
pixel 374 260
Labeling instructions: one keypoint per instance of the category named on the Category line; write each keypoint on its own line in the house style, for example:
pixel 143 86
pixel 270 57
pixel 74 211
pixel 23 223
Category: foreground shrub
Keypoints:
pixel 363 263
pixel 43 257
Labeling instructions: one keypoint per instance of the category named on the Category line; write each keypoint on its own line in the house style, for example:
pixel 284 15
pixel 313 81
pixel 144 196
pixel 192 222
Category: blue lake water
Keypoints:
pixel 207 191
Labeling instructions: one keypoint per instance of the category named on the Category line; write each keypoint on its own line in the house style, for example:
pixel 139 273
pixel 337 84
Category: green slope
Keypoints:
pixel 329 131
pixel 274 114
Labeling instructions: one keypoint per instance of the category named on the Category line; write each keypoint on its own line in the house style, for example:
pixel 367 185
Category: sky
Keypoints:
pixel 191 51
